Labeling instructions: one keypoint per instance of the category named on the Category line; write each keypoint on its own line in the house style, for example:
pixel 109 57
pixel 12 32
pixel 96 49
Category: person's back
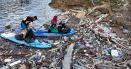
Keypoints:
pixel 24 25
pixel 63 29
pixel 28 20
pixel 54 21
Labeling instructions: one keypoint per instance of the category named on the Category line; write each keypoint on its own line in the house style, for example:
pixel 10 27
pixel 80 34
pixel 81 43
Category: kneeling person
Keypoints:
pixel 26 30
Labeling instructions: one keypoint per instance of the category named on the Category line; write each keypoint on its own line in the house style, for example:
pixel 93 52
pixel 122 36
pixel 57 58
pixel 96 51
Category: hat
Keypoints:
pixel 30 18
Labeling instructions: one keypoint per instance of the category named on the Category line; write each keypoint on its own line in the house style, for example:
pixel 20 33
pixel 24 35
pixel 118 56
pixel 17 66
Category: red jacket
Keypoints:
pixel 54 20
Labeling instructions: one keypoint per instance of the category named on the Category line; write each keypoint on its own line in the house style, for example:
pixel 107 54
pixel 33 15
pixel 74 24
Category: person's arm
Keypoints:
pixel 23 26
pixel 30 25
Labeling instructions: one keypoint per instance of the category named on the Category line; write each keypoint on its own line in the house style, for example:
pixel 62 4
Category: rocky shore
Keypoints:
pixel 101 42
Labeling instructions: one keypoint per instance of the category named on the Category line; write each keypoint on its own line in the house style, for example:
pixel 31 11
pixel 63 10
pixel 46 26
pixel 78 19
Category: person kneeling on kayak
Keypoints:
pixel 26 30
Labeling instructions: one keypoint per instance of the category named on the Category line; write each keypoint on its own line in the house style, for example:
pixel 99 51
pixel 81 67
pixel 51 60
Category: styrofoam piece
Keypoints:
pixel 14 63
pixel 114 53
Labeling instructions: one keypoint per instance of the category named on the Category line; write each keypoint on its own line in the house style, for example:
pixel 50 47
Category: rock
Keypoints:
pixel 44 68
pixel 85 50
pixel 125 31
pixel 8 27
pixel 66 38
pixel 73 38
pixel 23 66
pixel 52 65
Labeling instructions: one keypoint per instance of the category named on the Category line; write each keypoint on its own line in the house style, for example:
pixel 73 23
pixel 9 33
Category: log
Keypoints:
pixel 101 18
pixel 5 55
pixel 14 63
pixel 104 6
pixel 67 58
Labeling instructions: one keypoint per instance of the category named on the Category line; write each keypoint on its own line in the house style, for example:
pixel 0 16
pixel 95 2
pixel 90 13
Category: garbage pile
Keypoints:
pixel 100 47
pixel 20 57
pixel 95 46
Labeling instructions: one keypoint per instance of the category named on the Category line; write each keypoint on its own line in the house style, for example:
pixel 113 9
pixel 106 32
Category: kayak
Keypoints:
pixel 45 33
pixel 36 44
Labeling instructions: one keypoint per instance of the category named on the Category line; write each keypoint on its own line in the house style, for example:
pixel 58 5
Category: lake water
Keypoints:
pixel 13 11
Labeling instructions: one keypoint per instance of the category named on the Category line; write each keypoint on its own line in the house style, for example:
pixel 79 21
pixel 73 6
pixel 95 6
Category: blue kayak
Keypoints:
pixel 45 33
pixel 35 44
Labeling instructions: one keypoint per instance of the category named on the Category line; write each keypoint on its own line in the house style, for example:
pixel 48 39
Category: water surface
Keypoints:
pixel 13 11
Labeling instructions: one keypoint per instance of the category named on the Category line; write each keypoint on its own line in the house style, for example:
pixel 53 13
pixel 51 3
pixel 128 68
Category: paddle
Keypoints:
pixel 43 25
pixel 47 22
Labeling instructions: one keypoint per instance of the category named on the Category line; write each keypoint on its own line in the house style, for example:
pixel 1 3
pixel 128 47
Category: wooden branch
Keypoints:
pixel 101 18
pixel 104 6
pixel 67 58
pixel 23 54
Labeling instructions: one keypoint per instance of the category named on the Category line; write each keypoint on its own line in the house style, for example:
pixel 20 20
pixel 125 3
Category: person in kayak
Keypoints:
pixel 54 21
pixel 26 28
pixel 53 26
pixel 27 24
pixel 63 29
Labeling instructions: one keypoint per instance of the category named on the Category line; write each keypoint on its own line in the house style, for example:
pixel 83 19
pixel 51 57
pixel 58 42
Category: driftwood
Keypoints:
pixel 11 64
pixel 54 49
pixel 101 18
pixel 75 11
pixel 6 55
pixel 14 63
pixel 68 57
pixel 104 6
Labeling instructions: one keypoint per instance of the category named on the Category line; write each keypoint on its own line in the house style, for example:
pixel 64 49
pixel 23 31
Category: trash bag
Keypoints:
pixel 30 37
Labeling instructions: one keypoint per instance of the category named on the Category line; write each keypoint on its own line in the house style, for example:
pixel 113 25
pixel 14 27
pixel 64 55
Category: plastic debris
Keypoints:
pixel 14 63
pixel 114 53
pixel 7 60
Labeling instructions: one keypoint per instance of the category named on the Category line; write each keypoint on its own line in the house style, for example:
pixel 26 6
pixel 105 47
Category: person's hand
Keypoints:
pixel 30 24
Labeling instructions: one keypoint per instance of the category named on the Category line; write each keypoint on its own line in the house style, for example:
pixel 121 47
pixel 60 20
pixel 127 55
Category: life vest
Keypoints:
pixel 53 29
pixel 23 25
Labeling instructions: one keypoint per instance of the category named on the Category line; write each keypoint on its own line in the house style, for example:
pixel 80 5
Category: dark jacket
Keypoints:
pixel 23 25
